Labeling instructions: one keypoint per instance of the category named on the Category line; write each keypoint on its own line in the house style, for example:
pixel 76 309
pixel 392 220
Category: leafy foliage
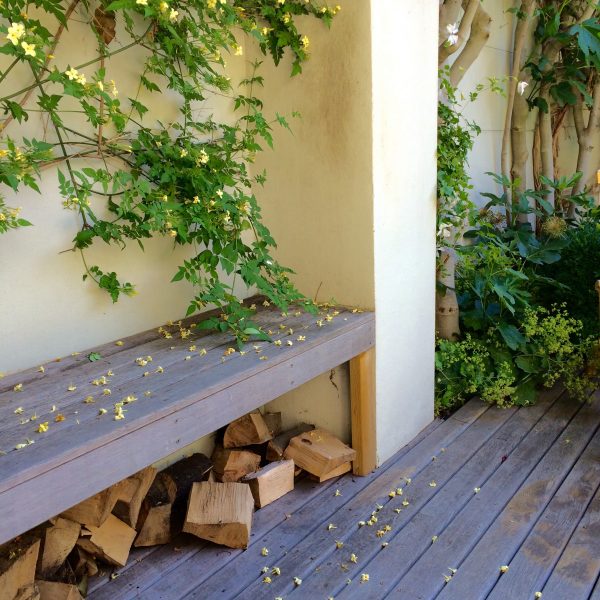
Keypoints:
pixel 130 177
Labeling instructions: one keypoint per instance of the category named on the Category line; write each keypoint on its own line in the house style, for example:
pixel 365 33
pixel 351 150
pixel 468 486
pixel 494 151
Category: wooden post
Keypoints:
pixel 362 403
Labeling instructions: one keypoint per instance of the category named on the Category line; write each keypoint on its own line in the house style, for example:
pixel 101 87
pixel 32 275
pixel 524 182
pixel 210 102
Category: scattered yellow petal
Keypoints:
pixel 290 343
pixel 432 484
pixel 405 503
pixel 265 570
pixel 119 343
pixel 18 387
pixel 106 392
pixel 188 357
pixel 380 533
pixel 276 571
pixel 504 568
pixel 229 351
pixel 41 369
pixel 89 400
pixel 19 411
pixel 353 558
pixel 42 427
pixel 364 578
pixel 331 526
pixel 102 411
pixel 147 393
pixel 392 494
pixel 398 510
pixel 385 544
pixel 192 348
pixel 339 544
pixel 202 352
pixel 361 523
pixel 33 417
pixel 538 595
pixel 477 490
pixel 110 373
pixel 58 418
pixel 434 539
pixel 267 579
pixel 263 358
pixel 159 370
pixel 297 581
pixel 265 552
pixel 53 409
pixel 277 343
pixel 301 338
pixel 337 493
pixel 72 388
pixel 399 491
pixel 387 528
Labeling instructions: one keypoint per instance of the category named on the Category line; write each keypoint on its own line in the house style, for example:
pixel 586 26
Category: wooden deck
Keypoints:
pixel 483 489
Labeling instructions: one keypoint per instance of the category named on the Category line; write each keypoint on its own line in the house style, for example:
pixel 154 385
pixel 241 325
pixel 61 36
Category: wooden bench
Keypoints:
pixel 170 401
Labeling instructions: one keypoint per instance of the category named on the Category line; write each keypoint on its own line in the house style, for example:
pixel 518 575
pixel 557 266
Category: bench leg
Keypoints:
pixel 362 403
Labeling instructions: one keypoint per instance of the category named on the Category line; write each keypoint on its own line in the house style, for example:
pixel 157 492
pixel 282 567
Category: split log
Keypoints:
pixel 181 476
pixel 232 465
pixel 220 513
pixel 53 590
pixel 95 510
pixel 111 541
pixel 318 452
pixel 17 568
pixel 245 431
pixel 132 492
pixel 273 421
pixel 271 482
pixel 276 447
pixel 341 470
pixel 57 543
pixel 154 524
pixel 82 564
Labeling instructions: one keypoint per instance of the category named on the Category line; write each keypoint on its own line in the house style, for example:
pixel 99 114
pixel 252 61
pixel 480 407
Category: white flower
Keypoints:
pixel 452 30
pixel 142 2
pixel 521 87
pixel 173 15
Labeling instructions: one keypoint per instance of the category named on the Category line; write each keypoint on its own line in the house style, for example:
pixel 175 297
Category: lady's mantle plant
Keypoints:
pixel 130 177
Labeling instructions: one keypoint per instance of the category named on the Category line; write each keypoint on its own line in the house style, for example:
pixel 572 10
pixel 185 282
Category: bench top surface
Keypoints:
pixel 63 413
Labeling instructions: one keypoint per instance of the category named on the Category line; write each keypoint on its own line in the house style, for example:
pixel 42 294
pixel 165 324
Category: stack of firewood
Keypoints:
pixel 253 464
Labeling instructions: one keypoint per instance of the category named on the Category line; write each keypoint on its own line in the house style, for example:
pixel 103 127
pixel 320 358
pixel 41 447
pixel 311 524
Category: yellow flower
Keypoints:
pixel 364 578
pixel 196 200
pixel 267 579
pixel 106 392
pixel 239 50
pixel 353 558
pixel 29 48
pixel 159 370
pixel 211 4
pixel 18 411
pixel 119 414
pixel 276 571
pixel 72 74
pixel 42 427
pixel 142 2
pixel 2 217
pixel 163 7
pixel 305 42
pixel 183 153
pixel 15 32
pixel 172 233
pixel 277 343
pixel 173 15
pixel 405 503
pixel 264 552
pixel 287 18
pixel 18 387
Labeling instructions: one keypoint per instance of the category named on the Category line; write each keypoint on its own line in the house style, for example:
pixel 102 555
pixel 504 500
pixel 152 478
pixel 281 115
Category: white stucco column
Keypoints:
pixel 351 199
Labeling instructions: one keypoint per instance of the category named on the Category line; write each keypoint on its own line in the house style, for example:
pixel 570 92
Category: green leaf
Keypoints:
pixel 511 335
pixel 94 356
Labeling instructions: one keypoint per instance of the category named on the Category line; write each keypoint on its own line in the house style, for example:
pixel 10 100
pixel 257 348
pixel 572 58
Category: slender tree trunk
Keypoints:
pixel 480 33
pixel 516 105
pixel 587 137
pixel 547 145
pixel 447 312
pixel 446 50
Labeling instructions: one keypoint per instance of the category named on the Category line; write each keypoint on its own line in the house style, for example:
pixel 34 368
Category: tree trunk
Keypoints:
pixel 516 105
pixel 547 145
pixel 588 138
pixel 480 33
pixel 447 311
pixel 447 50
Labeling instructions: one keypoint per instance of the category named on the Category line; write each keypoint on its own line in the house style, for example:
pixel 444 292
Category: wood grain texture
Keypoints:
pixel 534 562
pixel 407 543
pixel 576 572
pixel 479 572
pixel 362 411
pixel 186 404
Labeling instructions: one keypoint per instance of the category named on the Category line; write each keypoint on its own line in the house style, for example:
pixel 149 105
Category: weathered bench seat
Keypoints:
pixel 177 400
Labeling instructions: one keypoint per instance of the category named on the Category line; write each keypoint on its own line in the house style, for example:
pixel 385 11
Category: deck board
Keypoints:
pixel 538 511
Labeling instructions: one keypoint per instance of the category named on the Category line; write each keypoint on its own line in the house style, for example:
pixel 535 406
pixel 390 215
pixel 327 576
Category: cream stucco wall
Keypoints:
pixel 355 189
pixel 350 198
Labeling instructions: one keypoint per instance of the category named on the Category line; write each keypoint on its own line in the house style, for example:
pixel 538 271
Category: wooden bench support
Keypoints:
pixel 362 399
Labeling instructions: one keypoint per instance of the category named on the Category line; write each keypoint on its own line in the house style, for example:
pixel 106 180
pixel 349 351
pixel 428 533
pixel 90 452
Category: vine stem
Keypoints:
pixel 56 39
